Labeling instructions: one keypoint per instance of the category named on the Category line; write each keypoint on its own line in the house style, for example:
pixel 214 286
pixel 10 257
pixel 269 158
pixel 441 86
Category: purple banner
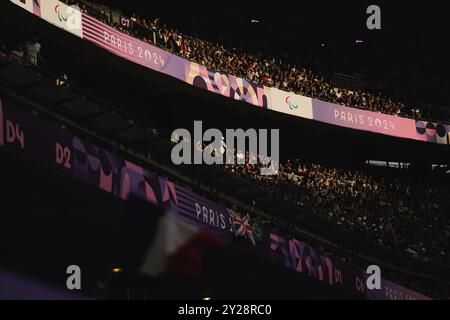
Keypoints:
pixel 433 132
pixel 363 120
pixel 132 49
pixel 25 134
pixel 196 210
pixel 226 85
pixel 303 258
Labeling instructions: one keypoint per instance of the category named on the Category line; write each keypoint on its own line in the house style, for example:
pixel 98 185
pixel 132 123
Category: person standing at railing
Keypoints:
pixel 33 50
pixel 154 31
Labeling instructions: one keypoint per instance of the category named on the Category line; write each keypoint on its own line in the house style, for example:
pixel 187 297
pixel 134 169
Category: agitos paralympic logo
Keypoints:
pixel 69 17
pixel 60 15
pixel 291 105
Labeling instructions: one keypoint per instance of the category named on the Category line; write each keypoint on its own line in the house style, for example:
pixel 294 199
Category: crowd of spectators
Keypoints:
pixel 394 212
pixel 409 214
pixel 268 71
pixel 405 214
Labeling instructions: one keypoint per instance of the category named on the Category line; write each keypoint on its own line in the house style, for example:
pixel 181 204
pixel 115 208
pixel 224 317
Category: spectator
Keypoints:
pixel 33 49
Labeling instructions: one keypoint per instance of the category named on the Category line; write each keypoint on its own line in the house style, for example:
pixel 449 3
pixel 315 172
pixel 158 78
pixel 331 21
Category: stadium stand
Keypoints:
pixel 355 213
pixel 254 67
pixel 309 179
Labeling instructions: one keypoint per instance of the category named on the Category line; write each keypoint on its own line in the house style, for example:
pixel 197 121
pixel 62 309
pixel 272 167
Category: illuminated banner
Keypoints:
pixel 149 56
pixel 289 103
pixel 433 132
pixel 363 120
pixel 197 210
pixel 132 49
pixel 63 16
pixel 226 85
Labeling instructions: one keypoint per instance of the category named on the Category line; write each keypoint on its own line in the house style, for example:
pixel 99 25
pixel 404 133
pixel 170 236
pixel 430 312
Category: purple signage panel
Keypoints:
pixel 433 132
pixel 27 135
pixel 196 210
pixel 24 134
pixel 132 49
pixel 364 120
pixel 303 258
pixel 300 257
pixel 112 173
pixel 226 85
